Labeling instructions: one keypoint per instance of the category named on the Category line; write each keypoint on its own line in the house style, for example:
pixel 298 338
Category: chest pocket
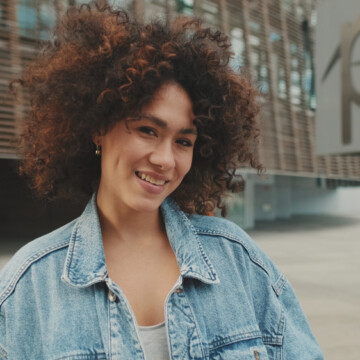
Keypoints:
pixel 246 349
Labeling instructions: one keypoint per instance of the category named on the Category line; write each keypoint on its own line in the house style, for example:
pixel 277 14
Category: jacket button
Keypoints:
pixel 178 291
pixel 112 297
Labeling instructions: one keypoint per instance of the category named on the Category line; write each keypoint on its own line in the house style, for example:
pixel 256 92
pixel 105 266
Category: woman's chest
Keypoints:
pixel 100 325
pixel 145 281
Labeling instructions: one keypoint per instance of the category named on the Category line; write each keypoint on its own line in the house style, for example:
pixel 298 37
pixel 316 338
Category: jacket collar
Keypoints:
pixel 85 259
pixel 186 244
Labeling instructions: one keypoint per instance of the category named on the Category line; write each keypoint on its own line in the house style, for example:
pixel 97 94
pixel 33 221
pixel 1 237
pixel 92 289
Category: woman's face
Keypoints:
pixel 146 160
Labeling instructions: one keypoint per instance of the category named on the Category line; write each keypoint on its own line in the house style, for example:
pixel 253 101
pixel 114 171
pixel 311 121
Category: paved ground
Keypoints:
pixel 321 257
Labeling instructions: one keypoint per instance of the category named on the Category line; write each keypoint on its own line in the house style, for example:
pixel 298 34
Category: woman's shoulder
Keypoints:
pixel 234 239
pixel 225 229
pixel 218 226
pixel 31 253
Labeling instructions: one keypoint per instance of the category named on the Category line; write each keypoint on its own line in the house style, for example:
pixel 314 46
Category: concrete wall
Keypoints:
pixel 339 202
pixel 265 202
pixel 284 203
pixel 280 197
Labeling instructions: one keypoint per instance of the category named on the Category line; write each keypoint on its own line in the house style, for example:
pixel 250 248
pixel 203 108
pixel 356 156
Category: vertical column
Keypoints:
pixel 310 117
pixel 352 164
pixel 168 12
pixel 308 7
pixel 328 164
pixel 338 162
pixel 248 61
pixel 246 32
pixel 139 9
pixel 274 103
pixel 15 56
pixel 284 31
pixel 307 140
pixel 59 9
pixel 224 18
pixel 249 198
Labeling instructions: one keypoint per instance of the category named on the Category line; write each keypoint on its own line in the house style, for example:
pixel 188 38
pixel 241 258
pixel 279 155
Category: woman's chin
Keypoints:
pixel 147 206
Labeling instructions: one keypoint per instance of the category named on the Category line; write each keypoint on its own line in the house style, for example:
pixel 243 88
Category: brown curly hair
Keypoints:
pixel 102 66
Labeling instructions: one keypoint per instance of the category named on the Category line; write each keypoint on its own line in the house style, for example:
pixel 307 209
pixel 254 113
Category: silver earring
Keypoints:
pixel 98 150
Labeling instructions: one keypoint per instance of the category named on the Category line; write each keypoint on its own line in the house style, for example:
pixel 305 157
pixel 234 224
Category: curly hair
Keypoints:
pixel 101 67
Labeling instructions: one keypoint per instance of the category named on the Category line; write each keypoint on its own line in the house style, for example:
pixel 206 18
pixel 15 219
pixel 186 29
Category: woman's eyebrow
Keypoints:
pixel 163 124
pixel 155 120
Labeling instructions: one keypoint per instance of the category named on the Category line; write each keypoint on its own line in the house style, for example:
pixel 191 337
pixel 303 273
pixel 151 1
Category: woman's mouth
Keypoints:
pixel 150 179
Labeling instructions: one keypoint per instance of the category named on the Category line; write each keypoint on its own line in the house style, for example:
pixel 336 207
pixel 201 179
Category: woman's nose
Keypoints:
pixel 162 156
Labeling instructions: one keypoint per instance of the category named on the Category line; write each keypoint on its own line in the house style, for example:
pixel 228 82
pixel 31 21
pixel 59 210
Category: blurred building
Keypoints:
pixel 338 77
pixel 274 39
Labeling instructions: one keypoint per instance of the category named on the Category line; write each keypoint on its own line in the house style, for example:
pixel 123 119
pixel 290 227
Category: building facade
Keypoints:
pixel 272 39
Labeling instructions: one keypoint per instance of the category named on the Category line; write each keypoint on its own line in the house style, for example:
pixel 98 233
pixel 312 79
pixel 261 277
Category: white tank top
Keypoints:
pixel 154 341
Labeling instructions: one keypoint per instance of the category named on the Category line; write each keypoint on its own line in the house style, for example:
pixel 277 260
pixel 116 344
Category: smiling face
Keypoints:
pixel 145 161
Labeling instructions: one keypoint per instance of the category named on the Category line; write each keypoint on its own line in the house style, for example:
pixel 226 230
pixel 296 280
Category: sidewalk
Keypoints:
pixel 320 255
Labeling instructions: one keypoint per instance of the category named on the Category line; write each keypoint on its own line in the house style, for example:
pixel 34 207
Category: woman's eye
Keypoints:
pixel 147 130
pixel 185 142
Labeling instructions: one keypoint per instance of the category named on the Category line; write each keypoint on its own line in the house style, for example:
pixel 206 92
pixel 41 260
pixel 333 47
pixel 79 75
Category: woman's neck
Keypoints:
pixel 136 229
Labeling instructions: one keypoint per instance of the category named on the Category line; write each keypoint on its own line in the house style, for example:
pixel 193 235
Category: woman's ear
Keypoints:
pixel 97 139
pixel 98 136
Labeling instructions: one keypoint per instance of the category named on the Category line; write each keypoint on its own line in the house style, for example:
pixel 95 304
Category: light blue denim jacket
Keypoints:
pixel 230 301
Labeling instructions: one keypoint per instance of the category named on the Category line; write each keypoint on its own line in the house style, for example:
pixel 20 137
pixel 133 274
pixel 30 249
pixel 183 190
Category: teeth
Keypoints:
pixel 151 180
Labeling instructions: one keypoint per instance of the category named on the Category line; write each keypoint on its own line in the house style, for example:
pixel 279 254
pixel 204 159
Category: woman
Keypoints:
pixel 153 121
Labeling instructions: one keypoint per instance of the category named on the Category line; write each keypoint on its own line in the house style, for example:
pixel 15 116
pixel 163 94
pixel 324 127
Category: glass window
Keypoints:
pixel 288 4
pixel 274 36
pixel 153 9
pixel 26 16
pixel 295 77
pixel 281 88
pixel 210 18
pixel 238 48
pixel 47 16
pixel 309 74
pixel 254 40
pixel 309 81
pixel 313 19
pixel 254 58
pixel 185 7
pixel 254 27
pixel 299 11
pixel 293 48
pixel 263 79
pixel 30 3
pixel 211 7
pixel 36 21
pixel 209 11
pixel 125 4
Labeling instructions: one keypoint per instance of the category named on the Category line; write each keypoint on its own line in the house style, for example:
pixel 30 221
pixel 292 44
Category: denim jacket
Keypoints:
pixel 230 302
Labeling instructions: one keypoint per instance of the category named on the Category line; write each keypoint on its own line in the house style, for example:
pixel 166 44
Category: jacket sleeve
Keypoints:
pixel 285 329
pixel 3 355
pixel 299 342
